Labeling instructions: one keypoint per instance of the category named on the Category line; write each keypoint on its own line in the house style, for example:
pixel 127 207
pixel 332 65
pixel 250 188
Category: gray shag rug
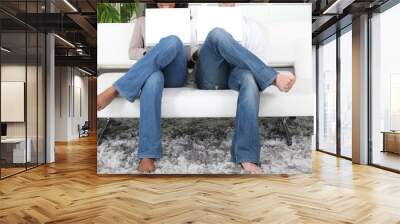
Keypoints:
pixel 202 146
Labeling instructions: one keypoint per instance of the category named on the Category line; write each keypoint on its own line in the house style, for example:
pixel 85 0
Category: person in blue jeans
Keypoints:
pixel 164 65
pixel 224 63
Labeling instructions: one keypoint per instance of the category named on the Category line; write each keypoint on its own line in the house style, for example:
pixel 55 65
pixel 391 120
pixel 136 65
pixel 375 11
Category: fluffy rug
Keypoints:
pixel 202 146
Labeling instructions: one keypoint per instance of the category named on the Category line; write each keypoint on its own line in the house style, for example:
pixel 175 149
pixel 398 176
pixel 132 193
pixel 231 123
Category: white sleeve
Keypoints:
pixel 193 43
pixel 136 45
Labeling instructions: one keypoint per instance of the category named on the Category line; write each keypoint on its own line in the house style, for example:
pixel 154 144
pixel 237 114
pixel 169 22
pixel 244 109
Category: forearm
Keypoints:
pixel 137 53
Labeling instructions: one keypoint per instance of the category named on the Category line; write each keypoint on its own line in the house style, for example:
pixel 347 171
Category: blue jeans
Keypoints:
pixel 219 53
pixel 164 65
pixel 224 63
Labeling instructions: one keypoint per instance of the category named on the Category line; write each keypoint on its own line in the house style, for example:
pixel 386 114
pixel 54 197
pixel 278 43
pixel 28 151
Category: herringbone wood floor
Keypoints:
pixel 70 191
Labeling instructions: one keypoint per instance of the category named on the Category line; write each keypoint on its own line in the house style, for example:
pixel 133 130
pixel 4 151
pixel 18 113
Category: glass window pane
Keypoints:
pixel 23 87
pixel 13 86
pixel 327 97
pixel 31 97
pixel 41 98
pixel 386 89
pixel 346 94
pixel 31 87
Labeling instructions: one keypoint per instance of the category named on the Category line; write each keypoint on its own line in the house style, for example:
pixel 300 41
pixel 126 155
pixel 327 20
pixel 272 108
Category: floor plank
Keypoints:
pixel 70 191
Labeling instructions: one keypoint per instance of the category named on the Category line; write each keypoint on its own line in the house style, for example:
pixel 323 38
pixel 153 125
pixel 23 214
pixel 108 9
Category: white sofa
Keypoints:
pixel 289 42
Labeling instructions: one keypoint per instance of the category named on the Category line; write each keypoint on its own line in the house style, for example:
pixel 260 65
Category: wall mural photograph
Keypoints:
pixel 216 88
pixel 159 111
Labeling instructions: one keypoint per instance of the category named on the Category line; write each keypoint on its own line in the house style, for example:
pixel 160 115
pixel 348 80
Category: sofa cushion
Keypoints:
pixel 192 102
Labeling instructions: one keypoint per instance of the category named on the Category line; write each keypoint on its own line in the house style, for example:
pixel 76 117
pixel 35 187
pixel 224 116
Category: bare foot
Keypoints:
pixel 252 168
pixel 146 165
pixel 105 98
pixel 284 81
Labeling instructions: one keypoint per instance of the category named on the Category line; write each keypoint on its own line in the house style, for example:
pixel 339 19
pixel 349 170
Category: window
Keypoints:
pixel 327 97
pixel 330 134
pixel 22 77
pixel 385 89
pixel 346 93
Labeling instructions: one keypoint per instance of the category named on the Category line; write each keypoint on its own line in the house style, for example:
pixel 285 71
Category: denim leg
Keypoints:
pixel 176 73
pixel 157 59
pixel 150 116
pixel 246 142
pixel 221 46
pixel 212 70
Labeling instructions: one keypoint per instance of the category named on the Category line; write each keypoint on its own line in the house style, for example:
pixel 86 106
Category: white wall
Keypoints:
pixel 14 73
pixel 112 47
pixel 69 82
pixel 61 103
pixel 34 124
pixel 17 73
pixel 81 84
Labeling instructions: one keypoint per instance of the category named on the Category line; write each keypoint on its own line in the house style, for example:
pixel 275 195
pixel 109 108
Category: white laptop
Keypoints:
pixel 164 22
pixel 228 18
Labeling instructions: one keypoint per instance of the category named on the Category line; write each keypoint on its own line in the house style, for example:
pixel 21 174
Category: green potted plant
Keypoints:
pixel 117 12
pixel 107 13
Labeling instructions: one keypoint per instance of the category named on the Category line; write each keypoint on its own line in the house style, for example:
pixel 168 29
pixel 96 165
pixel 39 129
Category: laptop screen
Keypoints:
pixel 227 18
pixel 164 22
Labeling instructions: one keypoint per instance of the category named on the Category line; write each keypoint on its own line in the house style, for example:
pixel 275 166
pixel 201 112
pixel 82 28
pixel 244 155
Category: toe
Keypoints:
pixel 146 166
pixel 256 170
pixel 251 168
